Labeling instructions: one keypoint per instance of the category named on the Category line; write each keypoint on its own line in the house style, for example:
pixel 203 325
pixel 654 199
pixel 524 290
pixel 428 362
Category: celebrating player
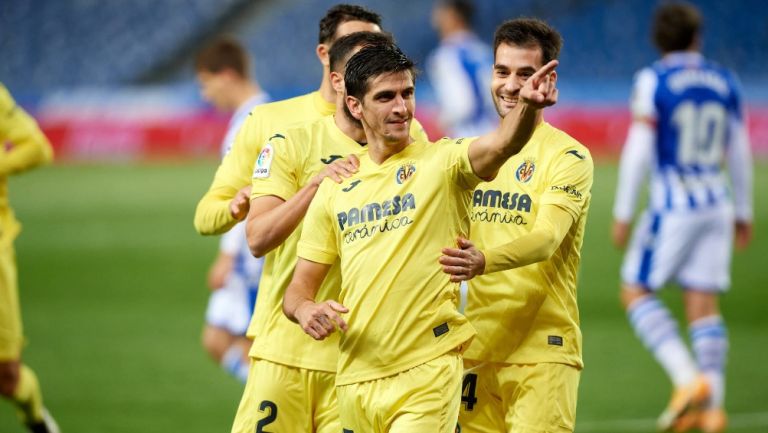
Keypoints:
pixel 687 119
pixel 289 371
pixel 400 365
pixel 523 367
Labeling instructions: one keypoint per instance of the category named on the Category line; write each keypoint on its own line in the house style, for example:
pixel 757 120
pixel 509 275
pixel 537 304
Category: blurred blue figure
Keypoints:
pixel 688 121
pixel 460 72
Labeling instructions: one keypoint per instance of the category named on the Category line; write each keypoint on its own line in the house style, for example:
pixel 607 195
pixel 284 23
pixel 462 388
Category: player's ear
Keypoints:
pixel 322 54
pixel 553 77
pixel 337 81
pixel 355 107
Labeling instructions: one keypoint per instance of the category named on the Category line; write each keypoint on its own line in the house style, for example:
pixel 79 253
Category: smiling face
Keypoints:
pixel 513 66
pixel 387 107
pixel 389 104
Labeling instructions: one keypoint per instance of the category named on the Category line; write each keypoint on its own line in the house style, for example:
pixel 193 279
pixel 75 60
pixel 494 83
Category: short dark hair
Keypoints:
pixel 373 61
pixel 529 32
pixel 341 14
pixel 463 8
pixel 223 53
pixel 675 26
pixel 342 48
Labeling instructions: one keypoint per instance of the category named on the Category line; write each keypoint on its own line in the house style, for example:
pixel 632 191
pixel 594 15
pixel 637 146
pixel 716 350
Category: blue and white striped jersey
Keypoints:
pixel 688 120
pixel 460 73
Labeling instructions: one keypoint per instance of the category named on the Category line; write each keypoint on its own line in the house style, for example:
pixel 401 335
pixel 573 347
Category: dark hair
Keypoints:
pixel 675 26
pixel 463 8
pixel 342 48
pixel 373 61
pixel 223 53
pixel 341 14
pixel 529 32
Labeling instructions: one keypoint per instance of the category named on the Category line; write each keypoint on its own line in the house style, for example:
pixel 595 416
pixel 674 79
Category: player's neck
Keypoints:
pixel 350 127
pixel 381 149
pixel 326 89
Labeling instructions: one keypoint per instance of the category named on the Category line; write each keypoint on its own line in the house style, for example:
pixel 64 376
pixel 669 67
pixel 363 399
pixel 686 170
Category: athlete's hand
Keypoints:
pixel 344 167
pixel 320 320
pixel 241 203
pixel 620 233
pixel 463 263
pixel 743 234
pixel 539 90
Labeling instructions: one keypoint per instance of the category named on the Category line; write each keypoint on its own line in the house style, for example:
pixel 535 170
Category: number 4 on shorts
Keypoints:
pixel 469 391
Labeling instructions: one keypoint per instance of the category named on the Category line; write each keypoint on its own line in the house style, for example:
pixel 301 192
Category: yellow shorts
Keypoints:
pixel 518 398
pixel 279 398
pixel 11 337
pixel 424 399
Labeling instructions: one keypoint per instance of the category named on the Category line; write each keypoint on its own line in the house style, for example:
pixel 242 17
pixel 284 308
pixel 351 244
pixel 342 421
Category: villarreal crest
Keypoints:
pixel 404 173
pixel 525 171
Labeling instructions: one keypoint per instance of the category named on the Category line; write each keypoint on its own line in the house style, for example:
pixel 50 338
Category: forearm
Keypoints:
pixel 552 224
pixel 267 230
pixel 213 216
pixel 307 278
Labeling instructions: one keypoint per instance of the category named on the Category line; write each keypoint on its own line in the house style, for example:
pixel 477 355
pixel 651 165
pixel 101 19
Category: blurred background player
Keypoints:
pixel 459 70
pixel 687 120
pixel 23 147
pixel 524 365
pixel 223 72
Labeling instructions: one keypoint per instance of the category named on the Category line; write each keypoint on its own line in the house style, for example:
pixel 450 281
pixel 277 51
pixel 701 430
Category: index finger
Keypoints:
pixel 545 70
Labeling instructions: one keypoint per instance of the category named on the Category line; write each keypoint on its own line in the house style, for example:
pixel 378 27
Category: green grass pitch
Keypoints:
pixel 113 295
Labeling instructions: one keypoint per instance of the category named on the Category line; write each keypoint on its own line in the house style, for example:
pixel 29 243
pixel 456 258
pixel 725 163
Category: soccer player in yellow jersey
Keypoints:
pixel 527 228
pixel 22 147
pixel 226 201
pixel 399 366
pixel 297 380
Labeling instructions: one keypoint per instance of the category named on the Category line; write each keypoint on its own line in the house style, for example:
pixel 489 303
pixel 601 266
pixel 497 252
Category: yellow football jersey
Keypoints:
pixel 212 215
pixel 22 146
pixel 387 225
pixel 529 314
pixel 286 163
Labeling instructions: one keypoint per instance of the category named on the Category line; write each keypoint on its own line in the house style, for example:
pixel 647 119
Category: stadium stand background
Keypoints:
pixel 115 79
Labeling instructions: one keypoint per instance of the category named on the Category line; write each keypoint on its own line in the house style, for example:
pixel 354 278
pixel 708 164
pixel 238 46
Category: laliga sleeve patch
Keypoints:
pixel 264 162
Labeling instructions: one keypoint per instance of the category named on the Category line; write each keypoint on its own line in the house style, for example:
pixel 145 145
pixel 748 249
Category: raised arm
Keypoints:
pixel 489 152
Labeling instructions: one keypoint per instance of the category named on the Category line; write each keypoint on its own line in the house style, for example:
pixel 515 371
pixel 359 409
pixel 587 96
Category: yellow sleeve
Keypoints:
pixel 549 230
pixel 569 184
pixel 28 146
pixel 458 168
pixel 318 236
pixel 275 169
pixel 212 215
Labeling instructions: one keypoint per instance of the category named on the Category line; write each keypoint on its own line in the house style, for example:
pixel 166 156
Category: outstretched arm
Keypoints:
pixel 489 152
pixel 318 320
